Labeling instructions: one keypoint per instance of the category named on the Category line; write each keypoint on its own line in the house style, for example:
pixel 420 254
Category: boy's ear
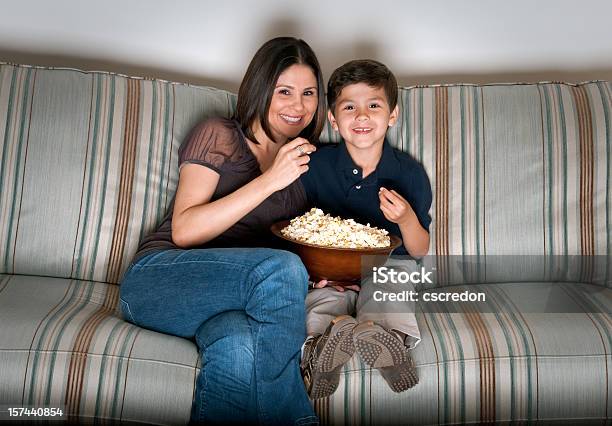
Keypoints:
pixel 393 116
pixel 332 120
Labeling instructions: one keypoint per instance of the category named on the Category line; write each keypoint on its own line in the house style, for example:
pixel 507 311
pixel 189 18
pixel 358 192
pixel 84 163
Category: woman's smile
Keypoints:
pixel 292 119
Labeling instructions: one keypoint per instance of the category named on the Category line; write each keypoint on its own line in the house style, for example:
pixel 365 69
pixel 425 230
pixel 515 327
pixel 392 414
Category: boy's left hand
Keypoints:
pixel 341 289
pixel 395 207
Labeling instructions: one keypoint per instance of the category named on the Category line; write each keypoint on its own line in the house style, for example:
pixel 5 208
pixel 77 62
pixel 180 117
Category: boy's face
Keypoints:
pixel 362 115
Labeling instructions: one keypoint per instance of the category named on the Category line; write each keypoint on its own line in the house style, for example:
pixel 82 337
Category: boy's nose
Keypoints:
pixel 362 116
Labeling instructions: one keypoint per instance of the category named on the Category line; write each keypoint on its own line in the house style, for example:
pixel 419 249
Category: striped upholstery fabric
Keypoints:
pixel 88 166
pixel 77 198
pixel 500 366
pixel 64 345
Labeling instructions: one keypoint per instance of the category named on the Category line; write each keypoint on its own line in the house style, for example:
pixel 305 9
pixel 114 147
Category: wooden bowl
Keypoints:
pixel 342 266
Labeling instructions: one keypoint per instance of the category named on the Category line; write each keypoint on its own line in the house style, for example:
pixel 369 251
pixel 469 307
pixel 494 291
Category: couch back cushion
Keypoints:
pixel 515 169
pixel 89 165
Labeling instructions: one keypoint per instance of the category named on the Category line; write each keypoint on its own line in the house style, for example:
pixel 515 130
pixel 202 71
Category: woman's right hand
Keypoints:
pixel 290 163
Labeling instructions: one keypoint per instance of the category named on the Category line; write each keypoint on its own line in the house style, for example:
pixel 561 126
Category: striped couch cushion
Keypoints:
pixel 64 345
pixel 89 165
pixel 530 161
pixel 502 366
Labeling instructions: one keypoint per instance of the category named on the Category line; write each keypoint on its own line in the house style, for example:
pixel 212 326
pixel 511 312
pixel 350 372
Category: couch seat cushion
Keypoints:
pixel 508 362
pixel 65 345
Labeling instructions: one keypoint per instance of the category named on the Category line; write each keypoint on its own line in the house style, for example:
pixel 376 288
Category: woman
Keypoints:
pixel 243 306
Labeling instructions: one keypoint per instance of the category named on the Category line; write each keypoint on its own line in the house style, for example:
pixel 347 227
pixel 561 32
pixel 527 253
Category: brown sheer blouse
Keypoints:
pixel 220 145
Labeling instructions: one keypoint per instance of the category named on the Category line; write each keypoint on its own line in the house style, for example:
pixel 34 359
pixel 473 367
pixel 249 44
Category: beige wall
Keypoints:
pixel 211 42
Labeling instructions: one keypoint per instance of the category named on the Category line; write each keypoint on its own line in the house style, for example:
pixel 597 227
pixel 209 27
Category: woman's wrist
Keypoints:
pixel 266 184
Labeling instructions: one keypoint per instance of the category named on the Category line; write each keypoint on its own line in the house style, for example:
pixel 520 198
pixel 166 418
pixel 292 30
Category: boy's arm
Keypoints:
pixel 397 210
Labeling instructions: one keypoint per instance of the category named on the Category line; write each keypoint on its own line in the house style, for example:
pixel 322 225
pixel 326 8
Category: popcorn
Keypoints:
pixel 316 227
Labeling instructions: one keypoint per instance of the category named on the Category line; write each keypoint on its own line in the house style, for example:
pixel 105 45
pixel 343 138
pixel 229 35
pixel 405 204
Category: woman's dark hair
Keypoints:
pixel 258 84
pixel 370 72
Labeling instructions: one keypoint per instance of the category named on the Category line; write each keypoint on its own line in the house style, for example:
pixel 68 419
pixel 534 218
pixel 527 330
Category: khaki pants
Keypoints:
pixel 325 304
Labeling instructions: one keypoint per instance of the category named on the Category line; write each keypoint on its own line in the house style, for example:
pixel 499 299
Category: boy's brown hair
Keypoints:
pixel 368 71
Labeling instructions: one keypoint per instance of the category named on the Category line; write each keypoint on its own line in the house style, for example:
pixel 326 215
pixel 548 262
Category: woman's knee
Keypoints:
pixel 287 270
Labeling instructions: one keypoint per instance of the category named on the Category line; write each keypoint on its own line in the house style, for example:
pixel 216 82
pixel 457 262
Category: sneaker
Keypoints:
pixel 325 355
pixel 383 350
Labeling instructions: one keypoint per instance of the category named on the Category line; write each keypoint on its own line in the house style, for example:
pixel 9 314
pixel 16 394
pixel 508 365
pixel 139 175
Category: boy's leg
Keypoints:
pixel 398 316
pixel 330 340
pixel 325 304
pixel 381 349
pixel 387 330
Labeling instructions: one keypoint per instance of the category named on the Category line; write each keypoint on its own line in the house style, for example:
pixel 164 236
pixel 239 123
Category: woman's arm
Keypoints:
pixel 196 220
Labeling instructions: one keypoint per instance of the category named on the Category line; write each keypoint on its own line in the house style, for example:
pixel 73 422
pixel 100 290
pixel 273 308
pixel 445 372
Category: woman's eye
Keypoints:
pixel 309 93
pixel 283 91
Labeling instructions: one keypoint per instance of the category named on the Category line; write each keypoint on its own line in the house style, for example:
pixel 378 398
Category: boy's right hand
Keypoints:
pixel 325 283
pixel 290 163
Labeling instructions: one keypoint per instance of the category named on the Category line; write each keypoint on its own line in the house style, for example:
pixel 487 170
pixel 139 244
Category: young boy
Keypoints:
pixel 364 178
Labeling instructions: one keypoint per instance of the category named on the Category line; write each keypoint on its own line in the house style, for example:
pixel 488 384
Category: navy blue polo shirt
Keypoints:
pixel 334 184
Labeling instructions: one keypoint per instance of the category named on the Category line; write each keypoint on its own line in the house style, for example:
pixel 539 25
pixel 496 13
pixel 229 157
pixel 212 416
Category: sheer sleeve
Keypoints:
pixel 211 143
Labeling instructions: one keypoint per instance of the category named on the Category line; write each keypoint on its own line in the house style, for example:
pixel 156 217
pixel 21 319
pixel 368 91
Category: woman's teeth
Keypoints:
pixel 290 119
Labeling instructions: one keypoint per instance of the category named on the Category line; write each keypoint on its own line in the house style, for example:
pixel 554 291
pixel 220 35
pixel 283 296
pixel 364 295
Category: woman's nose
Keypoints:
pixel 298 103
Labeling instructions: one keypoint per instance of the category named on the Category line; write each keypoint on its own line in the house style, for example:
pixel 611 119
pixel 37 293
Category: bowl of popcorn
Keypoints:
pixel 332 248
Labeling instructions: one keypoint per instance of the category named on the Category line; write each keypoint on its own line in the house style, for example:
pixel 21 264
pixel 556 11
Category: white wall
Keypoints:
pixel 426 41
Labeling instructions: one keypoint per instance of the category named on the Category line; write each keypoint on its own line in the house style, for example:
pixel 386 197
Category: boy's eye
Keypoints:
pixel 349 107
pixel 374 105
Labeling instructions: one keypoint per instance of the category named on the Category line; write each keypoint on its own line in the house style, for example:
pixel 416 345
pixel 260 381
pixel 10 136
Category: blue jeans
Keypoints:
pixel 245 309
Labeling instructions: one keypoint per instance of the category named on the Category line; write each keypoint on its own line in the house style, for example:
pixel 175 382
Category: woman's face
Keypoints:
pixel 294 102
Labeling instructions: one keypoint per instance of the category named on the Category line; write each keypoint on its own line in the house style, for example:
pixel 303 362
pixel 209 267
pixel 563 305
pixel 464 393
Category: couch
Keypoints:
pixel 89 166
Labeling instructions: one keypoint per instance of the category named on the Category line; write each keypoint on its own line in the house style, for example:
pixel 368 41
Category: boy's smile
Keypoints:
pixel 362 116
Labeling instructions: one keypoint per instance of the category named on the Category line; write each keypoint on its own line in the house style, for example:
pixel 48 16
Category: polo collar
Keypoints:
pixel 388 166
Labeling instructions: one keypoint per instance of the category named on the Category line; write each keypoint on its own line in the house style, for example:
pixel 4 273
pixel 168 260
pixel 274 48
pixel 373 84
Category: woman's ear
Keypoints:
pixel 393 116
pixel 332 120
